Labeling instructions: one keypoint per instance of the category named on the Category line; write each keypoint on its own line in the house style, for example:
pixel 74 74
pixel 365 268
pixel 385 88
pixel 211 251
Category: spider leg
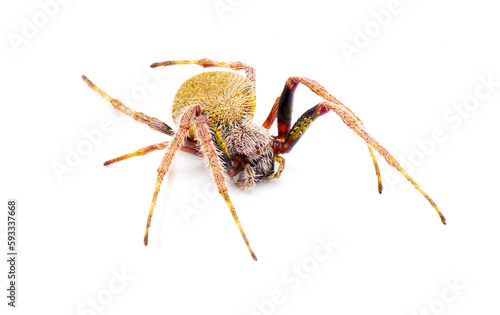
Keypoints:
pixel 211 150
pixel 377 170
pixel 141 151
pixel 173 146
pixel 286 140
pixel 187 147
pixel 282 109
pixel 206 63
pixel 152 122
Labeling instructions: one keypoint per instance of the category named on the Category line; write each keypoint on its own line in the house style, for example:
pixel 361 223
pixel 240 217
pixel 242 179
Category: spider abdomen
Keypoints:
pixel 226 98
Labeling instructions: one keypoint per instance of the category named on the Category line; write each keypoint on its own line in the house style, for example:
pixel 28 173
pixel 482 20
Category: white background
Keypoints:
pixel 408 79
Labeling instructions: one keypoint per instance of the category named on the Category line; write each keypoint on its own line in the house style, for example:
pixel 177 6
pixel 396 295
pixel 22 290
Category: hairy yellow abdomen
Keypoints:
pixel 226 98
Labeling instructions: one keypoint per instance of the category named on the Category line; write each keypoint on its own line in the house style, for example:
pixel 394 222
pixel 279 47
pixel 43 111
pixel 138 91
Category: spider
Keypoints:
pixel 213 112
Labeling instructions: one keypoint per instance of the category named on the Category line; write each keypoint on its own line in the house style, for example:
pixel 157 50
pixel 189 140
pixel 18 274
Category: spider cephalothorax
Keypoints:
pixel 250 149
pixel 213 112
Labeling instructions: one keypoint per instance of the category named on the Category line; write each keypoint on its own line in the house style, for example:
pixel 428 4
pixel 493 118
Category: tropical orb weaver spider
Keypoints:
pixel 213 112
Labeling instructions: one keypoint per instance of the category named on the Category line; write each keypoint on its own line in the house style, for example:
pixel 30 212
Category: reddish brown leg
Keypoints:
pixel 286 139
pixel 206 63
pixel 152 122
pixel 282 109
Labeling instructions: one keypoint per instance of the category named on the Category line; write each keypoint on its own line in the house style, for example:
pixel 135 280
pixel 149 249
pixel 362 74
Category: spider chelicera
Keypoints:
pixel 213 112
